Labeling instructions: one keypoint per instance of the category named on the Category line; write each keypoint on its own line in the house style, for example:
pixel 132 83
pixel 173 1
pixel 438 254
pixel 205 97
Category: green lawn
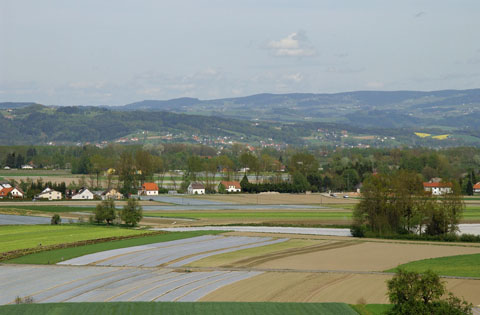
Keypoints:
pixel 461 265
pixel 372 309
pixel 45 208
pixel 252 214
pixel 172 308
pixel 57 255
pixel 472 213
pixel 28 236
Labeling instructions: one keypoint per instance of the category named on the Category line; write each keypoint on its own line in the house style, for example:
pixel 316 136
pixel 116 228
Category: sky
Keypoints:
pixel 114 52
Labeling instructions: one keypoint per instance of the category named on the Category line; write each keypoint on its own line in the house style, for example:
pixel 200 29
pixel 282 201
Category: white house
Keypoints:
pixel 17 193
pixel 438 189
pixel 111 194
pixel 196 189
pixel 232 186
pixel 27 167
pixel 10 192
pixel 83 194
pixel 148 189
pixel 49 194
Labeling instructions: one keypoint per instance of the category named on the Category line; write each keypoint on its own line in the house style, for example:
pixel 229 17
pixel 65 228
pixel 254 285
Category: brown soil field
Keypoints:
pixel 324 287
pixel 351 255
pixel 279 199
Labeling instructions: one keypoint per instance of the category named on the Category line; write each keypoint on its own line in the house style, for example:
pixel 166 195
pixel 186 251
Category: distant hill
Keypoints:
pixel 12 105
pixel 385 109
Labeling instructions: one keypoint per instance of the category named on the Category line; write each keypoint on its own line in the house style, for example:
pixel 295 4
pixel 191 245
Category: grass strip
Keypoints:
pixel 372 309
pixel 457 266
pixel 58 255
pixel 172 308
pixel 251 214
pixel 46 208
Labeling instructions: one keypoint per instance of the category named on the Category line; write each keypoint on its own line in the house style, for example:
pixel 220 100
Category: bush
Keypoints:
pixel 105 211
pixel 358 230
pixel 55 219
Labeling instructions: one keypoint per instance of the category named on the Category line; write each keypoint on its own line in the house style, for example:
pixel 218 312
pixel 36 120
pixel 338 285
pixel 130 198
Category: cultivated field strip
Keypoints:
pixel 7 219
pixel 175 253
pixel 52 284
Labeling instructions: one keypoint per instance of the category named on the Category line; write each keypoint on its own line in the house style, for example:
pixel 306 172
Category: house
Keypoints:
pixel 49 194
pixel 27 167
pixel 17 192
pixel 438 189
pixel 476 188
pixel 4 192
pixel 232 186
pixel 83 194
pixel 148 189
pixel 196 189
pixel 111 194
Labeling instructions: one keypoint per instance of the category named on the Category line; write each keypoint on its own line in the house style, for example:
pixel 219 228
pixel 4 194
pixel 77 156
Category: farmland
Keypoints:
pixel 460 266
pixel 21 237
pixel 180 308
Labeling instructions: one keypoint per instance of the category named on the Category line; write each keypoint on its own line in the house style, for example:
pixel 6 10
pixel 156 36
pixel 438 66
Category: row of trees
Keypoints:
pixel 397 204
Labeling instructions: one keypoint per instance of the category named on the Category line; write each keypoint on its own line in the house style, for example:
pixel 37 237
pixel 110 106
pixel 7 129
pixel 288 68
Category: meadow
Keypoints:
pixel 16 237
pixel 200 308
pixel 458 266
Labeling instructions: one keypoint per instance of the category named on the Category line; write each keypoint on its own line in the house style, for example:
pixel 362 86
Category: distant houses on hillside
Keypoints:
pixel 196 189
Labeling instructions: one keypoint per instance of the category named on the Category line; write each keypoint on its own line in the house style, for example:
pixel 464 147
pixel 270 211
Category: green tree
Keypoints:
pixel 132 212
pixel 105 211
pixel 469 189
pixel 55 219
pixel 414 293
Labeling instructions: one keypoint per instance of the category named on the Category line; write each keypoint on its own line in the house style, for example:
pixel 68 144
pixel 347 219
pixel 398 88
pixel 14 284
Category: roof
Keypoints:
pixel 437 185
pixel 150 186
pixel 231 183
pixel 5 191
pixel 476 186
pixel 197 186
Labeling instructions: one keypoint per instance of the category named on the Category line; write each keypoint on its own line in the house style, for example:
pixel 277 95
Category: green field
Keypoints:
pixel 471 213
pixel 45 208
pixel 172 308
pixel 459 266
pixel 57 255
pixel 372 309
pixel 253 214
pixel 29 236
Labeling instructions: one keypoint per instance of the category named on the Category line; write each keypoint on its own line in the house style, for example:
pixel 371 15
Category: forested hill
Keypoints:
pixel 398 109
pixel 41 124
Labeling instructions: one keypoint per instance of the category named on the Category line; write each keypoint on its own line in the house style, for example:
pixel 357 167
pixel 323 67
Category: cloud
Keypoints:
pixel 294 45
pixel 419 14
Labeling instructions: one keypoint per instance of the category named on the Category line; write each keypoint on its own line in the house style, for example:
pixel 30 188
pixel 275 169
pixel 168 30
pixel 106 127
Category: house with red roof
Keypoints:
pixel 11 192
pixel 438 189
pixel 148 189
pixel 476 188
pixel 232 186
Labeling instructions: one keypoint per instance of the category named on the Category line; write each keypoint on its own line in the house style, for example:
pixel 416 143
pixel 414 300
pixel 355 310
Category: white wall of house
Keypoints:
pixel 16 193
pixel 50 195
pixel 84 195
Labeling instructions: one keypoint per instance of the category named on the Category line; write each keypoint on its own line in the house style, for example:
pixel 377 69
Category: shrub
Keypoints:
pixel 55 219
pixel 358 230
pixel 132 212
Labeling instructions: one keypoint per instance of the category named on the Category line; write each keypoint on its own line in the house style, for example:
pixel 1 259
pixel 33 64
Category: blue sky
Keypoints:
pixel 117 52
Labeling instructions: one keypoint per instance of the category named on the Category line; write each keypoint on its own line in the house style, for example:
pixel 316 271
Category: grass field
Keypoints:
pixel 57 255
pixel 170 308
pixel 252 214
pixel 28 236
pixel 372 309
pixel 460 266
pixel 44 208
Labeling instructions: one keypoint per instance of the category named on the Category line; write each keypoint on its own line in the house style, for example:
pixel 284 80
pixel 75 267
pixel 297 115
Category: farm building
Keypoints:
pixel 196 189
pixel 49 194
pixel 438 189
pixel 232 186
pixel 111 194
pixel 83 194
pixel 148 189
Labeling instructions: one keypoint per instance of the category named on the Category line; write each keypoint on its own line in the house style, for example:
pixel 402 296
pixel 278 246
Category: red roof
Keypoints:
pixel 437 185
pixel 150 187
pixel 476 186
pixel 4 192
pixel 232 183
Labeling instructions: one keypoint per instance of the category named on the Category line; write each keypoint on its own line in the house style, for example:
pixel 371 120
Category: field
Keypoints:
pixel 57 255
pixel 20 237
pixel 180 308
pixel 461 265
pixel 44 208
pixel 282 199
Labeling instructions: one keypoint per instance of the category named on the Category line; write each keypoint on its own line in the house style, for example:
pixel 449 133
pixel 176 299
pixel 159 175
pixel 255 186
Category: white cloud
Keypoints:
pixel 294 45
